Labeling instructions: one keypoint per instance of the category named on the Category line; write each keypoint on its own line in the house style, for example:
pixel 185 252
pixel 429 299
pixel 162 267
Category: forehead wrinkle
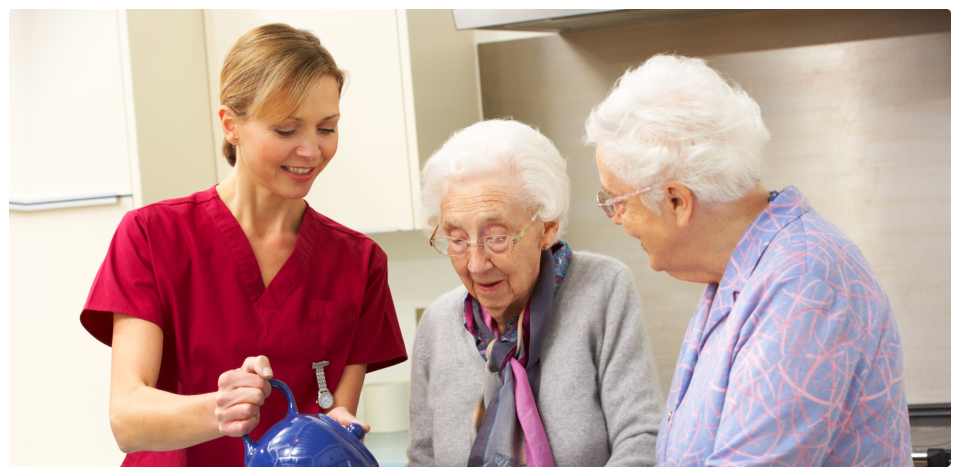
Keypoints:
pixel 494 204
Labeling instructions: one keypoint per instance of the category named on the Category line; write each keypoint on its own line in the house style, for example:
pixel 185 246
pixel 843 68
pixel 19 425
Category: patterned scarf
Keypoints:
pixel 506 418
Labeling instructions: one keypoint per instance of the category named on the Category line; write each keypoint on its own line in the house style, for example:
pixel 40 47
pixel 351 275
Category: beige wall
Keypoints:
pixel 170 95
pixel 59 374
pixel 858 103
pixel 443 102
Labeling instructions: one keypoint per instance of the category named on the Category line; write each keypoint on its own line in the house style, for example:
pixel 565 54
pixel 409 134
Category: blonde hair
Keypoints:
pixel 270 71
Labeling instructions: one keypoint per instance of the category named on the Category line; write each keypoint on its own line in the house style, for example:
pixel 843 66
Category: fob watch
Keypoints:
pixel 324 398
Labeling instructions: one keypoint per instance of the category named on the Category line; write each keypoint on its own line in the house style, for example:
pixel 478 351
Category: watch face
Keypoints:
pixel 325 400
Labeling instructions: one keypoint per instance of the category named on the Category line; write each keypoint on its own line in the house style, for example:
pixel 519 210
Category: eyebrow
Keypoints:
pixel 491 220
pixel 487 220
pixel 298 119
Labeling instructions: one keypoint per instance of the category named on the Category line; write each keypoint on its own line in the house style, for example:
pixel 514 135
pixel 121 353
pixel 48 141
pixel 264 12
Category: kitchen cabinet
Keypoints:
pixel 108 102
pixel 68 130
pixel 411 82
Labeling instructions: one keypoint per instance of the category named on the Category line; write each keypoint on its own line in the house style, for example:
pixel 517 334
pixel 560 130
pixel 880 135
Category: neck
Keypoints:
pixel 719 228
pixel 259 211
pixel 502 316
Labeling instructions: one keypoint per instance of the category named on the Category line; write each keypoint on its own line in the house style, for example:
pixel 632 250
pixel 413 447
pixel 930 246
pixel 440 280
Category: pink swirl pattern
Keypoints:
pixel 794 359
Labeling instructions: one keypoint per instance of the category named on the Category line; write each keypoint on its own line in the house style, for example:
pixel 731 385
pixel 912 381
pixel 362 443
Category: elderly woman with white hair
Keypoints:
pixel 793 355
pixel 540 358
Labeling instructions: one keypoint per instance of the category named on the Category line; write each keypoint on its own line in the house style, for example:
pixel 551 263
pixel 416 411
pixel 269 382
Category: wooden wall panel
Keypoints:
pixel 858 104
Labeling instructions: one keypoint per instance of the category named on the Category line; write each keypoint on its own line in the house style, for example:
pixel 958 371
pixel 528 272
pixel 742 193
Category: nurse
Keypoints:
pixel 204 298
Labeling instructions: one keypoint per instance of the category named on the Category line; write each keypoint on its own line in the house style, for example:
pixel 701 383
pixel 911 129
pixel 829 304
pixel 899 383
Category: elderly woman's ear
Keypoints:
pixel 679 200
pixel 549 235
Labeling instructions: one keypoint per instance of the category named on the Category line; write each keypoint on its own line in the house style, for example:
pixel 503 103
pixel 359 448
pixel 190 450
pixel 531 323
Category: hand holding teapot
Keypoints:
pixel 343 417
pixel 241 393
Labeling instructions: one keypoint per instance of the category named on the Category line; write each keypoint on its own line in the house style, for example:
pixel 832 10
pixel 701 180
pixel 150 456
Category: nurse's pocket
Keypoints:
pixel 332 324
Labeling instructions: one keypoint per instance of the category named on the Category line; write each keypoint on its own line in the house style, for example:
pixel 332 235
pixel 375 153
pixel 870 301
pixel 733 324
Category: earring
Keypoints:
pixel 546 246
pixel 236 140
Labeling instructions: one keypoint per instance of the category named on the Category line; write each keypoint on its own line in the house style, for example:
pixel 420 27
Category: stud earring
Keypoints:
pixel 236 140
pixel 546 246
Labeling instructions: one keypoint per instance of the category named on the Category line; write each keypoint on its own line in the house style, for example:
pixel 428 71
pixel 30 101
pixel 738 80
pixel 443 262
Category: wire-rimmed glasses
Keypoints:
pixel 492 244
pixel 609 205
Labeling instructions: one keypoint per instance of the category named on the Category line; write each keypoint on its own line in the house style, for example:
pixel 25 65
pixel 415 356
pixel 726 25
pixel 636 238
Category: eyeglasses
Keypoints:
pixel 610 205
pixel 491 244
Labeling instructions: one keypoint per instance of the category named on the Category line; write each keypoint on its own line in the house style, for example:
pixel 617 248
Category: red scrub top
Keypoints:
pixel 186 265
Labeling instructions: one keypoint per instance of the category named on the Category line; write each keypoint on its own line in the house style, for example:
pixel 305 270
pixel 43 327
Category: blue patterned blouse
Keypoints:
pixel 793 360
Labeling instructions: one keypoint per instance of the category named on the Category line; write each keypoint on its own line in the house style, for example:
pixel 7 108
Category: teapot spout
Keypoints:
pixel 249 448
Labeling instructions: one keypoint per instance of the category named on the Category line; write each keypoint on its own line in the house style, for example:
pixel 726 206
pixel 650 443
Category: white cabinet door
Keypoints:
pixel 68 131
pixel 367 185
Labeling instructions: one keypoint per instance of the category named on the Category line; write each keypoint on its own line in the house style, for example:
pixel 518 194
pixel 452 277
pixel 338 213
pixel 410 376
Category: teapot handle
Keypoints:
pixel 251 445
pixel 291 403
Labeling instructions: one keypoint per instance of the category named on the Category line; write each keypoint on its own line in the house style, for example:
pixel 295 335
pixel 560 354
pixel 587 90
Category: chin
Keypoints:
pixel 295 192
pixel 489 302
pixel 654 264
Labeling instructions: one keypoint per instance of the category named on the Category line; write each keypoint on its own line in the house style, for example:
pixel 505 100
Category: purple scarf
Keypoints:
pixel 506 418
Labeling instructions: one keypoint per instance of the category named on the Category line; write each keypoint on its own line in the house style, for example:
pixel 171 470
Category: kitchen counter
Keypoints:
pixel 390 449
pixel 930 434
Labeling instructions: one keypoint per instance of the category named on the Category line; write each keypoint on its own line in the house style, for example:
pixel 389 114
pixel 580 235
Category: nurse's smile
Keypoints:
pixel 299 174
pixel 298 170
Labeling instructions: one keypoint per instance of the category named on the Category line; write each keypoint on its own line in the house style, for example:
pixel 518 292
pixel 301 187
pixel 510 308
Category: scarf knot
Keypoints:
pixel 562 255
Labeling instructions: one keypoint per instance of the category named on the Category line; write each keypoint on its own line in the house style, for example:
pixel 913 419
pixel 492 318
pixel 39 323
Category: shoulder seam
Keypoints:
pixel 350 232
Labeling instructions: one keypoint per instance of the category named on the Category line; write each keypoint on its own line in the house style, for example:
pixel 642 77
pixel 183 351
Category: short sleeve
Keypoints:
pixel 378 342
pixel 125 282
pixel 790 379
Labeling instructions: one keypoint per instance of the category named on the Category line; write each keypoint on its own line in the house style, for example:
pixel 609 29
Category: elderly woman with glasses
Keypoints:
pixel 540 358
pixel 793 355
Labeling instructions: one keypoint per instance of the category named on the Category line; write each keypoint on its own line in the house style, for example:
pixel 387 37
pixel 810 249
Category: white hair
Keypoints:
pixel 675 118
pixel 499 147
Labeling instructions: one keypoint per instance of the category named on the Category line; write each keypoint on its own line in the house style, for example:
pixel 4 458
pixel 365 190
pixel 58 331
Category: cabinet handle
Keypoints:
pixel 58 202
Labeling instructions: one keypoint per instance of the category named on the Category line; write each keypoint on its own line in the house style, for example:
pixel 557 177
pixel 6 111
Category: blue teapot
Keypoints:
pixel 307 440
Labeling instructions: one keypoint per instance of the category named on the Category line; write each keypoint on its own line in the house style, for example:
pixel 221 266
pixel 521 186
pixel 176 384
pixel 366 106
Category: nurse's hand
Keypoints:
pixel 241 393
pixel 345 418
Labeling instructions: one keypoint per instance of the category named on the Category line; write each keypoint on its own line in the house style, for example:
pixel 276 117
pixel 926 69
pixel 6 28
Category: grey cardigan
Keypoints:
pixel 599 394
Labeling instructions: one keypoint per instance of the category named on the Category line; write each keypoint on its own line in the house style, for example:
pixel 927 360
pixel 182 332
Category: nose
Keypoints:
pixel 310 149
pixel 616 216
pixel 477 260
